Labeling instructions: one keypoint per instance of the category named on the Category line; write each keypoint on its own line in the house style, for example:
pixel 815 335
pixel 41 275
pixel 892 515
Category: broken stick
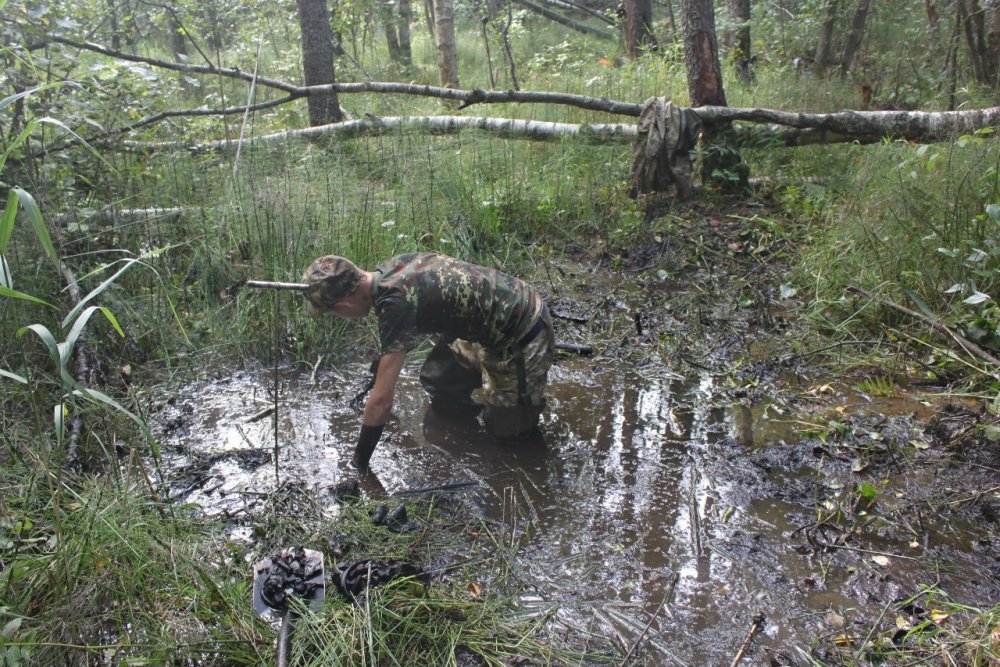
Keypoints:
pixel 265 284
pixel 756 624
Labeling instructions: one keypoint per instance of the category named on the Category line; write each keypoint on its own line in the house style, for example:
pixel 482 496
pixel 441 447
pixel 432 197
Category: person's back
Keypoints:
pixel 424 293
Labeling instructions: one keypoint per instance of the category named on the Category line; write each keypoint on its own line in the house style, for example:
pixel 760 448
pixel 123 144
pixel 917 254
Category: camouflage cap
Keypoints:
pixel 330 279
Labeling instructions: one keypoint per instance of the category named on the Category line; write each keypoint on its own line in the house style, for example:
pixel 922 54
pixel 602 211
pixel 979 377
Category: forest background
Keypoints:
pixel 156 155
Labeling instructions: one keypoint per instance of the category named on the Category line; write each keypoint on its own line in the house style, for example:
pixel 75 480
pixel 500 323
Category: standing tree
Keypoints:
pixel 855 35
pixel 395 17
pixel 738 36
pixel 639 36
pixel 317 60
pixel 739 14
pixel 982 33
pixel 701 54
pixel 824 47
pixel 721 165
pixel 991 9
pixel 447 54
pixel 405 17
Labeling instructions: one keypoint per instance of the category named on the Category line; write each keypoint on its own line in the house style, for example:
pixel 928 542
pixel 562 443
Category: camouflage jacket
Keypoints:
pixel 422 294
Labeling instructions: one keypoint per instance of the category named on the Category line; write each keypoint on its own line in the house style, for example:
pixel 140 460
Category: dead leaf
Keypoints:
pixel 835 619
pixel 473 589
pixel 881 560
pixel 843 639
pixel 939 615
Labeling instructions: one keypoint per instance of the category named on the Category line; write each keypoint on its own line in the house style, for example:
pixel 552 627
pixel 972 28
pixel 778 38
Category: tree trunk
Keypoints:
pixel 930 6
pixel 387 16
pixel 404 18
pixel 507 50
pixel 975 55
pixel 863 127
pixel 701 54
pixel 116 37
pixel 991 10
pixel 704 75
pixel 561 19
pixel 739 15
pixel 824 48
pixel 672 20
pixel 447 54
pixel 639 36
pixel 317 60
pixel 178 42
pixel 982 32
pixel 855 36
pixel 429 17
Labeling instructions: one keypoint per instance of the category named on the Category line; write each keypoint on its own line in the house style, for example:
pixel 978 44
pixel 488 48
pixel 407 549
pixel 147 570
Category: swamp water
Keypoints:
pixel 687 480
pixel 647 511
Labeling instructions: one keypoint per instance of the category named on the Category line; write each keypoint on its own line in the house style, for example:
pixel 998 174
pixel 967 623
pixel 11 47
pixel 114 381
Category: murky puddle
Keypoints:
pixel 646 509
pixel 661 508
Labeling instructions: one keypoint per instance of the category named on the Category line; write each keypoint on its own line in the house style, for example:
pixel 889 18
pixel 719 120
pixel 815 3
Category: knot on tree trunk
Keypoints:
pixel 662 154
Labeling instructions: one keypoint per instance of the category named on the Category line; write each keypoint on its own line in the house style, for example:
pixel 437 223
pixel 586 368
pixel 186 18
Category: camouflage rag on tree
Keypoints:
pixel 667 135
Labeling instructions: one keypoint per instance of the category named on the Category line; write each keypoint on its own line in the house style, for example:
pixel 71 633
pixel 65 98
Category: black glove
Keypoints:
pixel 367 441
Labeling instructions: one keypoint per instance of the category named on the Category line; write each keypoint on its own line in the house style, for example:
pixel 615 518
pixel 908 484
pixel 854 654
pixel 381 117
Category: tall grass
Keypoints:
pixel 918 226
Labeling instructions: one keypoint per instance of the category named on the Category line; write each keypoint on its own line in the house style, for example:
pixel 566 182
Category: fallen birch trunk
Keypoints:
pixel 503 127
pixel 786 128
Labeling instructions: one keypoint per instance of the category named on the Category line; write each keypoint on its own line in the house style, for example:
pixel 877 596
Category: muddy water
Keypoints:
pixel 649 508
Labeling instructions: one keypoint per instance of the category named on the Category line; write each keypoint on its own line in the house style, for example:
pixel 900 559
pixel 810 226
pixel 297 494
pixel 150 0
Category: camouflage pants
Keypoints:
pixel 503 411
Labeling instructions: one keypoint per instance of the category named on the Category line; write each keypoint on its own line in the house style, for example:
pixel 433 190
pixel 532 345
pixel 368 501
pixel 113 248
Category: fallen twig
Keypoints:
pixel 261 414
pixel 934 323
pixel 756 624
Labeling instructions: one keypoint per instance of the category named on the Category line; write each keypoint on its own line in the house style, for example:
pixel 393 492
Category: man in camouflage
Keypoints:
pixel 493 330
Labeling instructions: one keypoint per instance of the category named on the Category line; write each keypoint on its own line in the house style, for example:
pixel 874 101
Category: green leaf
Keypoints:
pixel 35 218
pixel 14 294
pixel 47 338
pixel 101 397
pixel 993 211
pixel 977 298
pixel 7 220
pixel 921 305
pixel 81 322
pixel 11 626
pixel 59 418
pixel 13 376
pixel 110 317
pixel 96 291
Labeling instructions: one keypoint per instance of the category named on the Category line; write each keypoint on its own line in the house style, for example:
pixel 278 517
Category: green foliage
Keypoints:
pixel 921 227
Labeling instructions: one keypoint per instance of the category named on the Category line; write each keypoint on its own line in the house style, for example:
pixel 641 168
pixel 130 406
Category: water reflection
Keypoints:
pixel 639 506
